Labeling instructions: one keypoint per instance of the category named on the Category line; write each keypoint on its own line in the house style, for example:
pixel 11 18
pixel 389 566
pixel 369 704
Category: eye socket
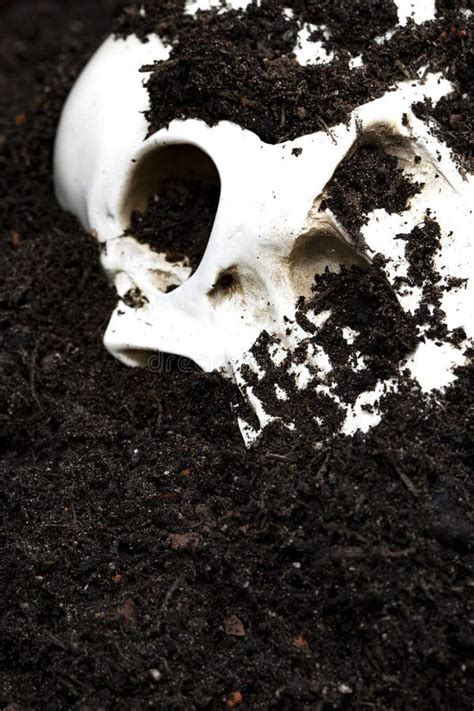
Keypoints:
pixel 171 201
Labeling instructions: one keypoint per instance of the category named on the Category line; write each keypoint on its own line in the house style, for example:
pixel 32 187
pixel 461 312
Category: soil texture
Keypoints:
pixel 178 220
pixel 240 66
pixel 149 560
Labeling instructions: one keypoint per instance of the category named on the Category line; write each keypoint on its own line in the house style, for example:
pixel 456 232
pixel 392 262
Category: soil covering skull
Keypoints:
pixel 150 559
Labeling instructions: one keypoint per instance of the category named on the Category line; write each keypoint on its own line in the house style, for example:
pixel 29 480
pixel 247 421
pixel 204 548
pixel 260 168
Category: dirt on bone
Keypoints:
pixel 349 565
pixel 280 100
pixel 360 309
pixel 367 180
pixel 364 333
pixel 178 220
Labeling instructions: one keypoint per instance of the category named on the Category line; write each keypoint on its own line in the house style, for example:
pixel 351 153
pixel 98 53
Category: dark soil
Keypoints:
pixel 179 220
pixel 369 179
pixel 148 559
pixel 277 98
pixel 367 18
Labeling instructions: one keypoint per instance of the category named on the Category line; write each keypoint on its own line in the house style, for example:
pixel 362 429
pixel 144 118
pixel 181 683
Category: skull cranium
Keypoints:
pixel 269 236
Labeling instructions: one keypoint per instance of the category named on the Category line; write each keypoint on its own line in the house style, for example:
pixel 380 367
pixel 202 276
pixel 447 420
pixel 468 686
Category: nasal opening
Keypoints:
pixel 171 202
pixel 316 251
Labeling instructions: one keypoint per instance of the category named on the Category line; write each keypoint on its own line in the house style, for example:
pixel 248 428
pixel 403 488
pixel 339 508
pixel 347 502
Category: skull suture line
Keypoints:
pixel 269 236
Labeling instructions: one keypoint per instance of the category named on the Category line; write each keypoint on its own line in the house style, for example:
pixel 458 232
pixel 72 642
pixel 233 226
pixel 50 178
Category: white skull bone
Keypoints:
pixel 269 235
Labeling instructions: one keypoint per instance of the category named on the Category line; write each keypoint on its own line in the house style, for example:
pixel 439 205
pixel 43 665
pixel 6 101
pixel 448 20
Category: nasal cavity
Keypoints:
pixel 171 202
pixel 317 251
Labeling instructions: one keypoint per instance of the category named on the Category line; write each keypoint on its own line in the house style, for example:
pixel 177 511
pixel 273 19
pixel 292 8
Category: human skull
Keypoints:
pixel 270 235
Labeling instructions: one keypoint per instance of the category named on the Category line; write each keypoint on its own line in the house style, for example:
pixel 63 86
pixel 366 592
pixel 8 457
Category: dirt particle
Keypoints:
pixel 20 119
pixel 184 541
pixel 455 120
pixel 128 611
pixel 344 689
pixel 301 643
pixel 15 238
pixel 155 675
pixel 234 699
pixel 233 627
pixel 135 299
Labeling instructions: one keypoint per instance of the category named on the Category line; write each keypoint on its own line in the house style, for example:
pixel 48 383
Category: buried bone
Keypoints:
pixel 275 229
